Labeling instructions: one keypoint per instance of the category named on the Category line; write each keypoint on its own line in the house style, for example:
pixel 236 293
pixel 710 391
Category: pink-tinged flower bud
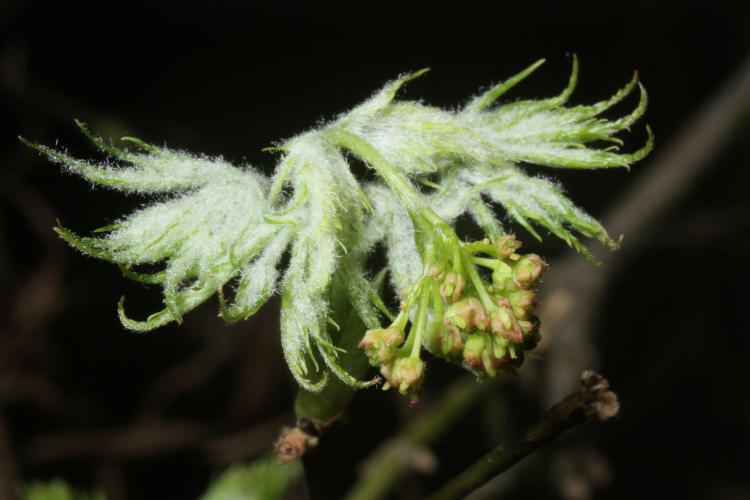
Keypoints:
pixel 503 323
pixel 451 341
pixel 380 344
pixel 372 342
pixel 523 299
pixel 473 349
pixel 502 275
pixel 406 374
pixel 528 269
pixel 499 347
pixel 506 246
pixel 467 313
pixel 393 337
pixel 487 354
pixel 436 271
pixel 529 326
pixel 452 286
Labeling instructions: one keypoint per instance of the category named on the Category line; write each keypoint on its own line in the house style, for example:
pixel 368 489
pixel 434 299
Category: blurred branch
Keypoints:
pixel 593 401
pixel 137 440
pixel 190 373
pixel 238 446
pixel 151 437
pixel 395 457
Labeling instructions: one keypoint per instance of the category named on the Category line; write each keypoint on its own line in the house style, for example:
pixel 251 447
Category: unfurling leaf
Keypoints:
pixel 216 228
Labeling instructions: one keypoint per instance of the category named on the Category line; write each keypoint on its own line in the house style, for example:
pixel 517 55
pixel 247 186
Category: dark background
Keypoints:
pixel 157 415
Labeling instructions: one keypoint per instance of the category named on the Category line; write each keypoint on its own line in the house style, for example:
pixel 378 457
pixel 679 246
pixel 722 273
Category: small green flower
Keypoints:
pixel 214 228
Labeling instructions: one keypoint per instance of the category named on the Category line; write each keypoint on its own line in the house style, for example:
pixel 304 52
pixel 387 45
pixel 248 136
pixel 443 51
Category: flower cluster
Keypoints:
pixel 485 326
pixel 489 330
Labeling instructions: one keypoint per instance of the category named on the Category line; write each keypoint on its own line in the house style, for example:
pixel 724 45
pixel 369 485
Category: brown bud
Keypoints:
pixel 293 443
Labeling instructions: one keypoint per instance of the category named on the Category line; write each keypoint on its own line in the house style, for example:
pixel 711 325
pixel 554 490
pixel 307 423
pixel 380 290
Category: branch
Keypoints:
pixel 397 456
pixel 149 437
pixel 593 401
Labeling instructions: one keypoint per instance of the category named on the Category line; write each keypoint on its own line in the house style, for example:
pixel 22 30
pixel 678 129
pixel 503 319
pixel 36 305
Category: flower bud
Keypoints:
pixel 436 271
pixel 467 313
pixel 488 354
pixel 473 349
pixel 507 245
pixel 452 286
pixel 451 341
pixel 406 374
pixel 372 342
pixel 522 302
pixel 503 323
pixel 528 269
pixel 393 337
pixel 499 347
pixel 529 326
pixel 500 321
pixel 523 298
pixel 380 344
pixel 502 275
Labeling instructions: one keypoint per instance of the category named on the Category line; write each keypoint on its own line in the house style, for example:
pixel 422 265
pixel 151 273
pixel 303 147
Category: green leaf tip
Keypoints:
pixel 309 231
pixel 480 103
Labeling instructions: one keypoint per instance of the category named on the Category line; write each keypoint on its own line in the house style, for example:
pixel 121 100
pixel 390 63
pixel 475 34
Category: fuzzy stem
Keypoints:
pixel 403 189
